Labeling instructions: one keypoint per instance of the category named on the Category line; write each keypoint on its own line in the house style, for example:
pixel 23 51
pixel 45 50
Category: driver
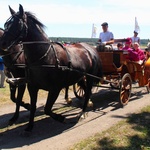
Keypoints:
pixel 106 38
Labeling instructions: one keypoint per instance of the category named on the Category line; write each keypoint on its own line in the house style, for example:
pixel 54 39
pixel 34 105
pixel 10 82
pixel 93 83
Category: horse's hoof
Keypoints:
pixel 90 103
pixel 47 112
pixel 69 100
pixel 12 121
pixel 27 106
pixel 82 116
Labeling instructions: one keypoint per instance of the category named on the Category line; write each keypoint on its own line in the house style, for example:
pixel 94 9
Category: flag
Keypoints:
pixel 94 30
pixel 137 28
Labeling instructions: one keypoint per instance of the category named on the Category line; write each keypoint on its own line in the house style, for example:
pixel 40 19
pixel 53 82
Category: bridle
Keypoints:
pixel 22 31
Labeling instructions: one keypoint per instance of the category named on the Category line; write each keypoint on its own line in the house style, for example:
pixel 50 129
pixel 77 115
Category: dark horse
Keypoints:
pixel 49 65
pixel 14 62
pixel 13 57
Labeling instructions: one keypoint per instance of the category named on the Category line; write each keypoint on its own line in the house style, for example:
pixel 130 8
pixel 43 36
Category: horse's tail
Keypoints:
pixel 98 71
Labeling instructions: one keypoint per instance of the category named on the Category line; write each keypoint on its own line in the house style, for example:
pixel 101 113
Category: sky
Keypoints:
pixel 74 18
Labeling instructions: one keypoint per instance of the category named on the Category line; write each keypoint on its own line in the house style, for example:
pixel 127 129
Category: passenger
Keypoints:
pixel 119 46
pixel 132 54
pixel 140 52
pixel 135 37
pixel 147 51
pixel 147 65
pixel 106 38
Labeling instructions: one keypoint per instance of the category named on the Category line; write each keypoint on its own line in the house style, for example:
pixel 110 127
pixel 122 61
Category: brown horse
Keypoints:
pixel 14 62
pixel 49 65
pixel 13 57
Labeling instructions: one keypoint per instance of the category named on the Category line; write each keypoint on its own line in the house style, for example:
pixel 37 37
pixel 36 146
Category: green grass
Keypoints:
pixel 131 134
pixel 5 95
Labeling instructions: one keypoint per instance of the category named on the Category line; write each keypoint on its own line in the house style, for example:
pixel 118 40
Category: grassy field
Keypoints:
pixel 5 95
pixel 132 134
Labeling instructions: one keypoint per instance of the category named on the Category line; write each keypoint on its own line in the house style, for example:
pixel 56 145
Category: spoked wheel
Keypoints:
pixel 125 89
pixel 79 88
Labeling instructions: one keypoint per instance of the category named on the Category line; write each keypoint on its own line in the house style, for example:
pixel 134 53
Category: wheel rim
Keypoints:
pixel 125 89
pixel 78 91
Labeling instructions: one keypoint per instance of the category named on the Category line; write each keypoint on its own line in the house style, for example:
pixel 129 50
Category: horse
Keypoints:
pixel 49 65
pixel 14 62
pixel 13 57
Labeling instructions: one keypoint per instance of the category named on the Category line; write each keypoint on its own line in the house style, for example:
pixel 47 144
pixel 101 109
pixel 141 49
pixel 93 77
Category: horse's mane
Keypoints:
pixel 34 20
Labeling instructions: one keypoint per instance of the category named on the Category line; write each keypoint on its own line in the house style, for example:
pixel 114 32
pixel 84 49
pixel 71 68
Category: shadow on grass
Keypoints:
pixel 139 140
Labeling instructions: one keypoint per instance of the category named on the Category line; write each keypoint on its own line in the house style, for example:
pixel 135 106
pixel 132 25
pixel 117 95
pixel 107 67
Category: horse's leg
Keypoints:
pixel 21 91
pixel 33 91
pixel 13 89
pixel 88 89
pixel 52 96
pixel 18 101
pixel 12 92
pixel 68 100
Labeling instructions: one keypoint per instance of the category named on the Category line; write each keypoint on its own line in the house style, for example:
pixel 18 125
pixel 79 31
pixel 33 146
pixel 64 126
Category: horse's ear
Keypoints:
pixel 11 11
pixel 21 12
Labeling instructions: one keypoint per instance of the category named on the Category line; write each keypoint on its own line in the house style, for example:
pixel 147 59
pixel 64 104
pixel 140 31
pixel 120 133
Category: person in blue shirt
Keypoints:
pixel 2 74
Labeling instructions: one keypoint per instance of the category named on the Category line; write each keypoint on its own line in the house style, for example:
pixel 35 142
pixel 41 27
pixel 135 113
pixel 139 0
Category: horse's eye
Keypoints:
pixel 7 26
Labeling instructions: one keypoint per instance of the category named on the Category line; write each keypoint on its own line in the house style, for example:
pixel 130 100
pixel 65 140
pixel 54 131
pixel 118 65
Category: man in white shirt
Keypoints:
pixel 135 38
pixel 106 37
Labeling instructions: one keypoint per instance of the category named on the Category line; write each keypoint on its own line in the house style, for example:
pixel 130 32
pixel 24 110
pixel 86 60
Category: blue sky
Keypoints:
pixel 74 18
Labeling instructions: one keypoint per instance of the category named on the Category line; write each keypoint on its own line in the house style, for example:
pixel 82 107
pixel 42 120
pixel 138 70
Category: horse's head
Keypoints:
pixel 2 52
pixel 15 49
pixel 15 28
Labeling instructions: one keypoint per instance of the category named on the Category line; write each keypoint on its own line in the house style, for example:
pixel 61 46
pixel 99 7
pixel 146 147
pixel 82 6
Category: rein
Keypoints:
pixel 15 52
pixel 23 30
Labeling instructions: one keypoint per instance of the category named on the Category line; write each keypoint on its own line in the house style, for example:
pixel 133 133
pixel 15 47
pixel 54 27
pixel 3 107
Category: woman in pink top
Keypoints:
pixel 132 54
pixel 140 52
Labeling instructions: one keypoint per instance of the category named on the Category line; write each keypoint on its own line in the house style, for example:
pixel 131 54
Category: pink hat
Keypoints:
pixel 128 41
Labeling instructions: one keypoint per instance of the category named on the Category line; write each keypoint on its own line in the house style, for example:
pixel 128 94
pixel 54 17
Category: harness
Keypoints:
pixel 27 68
pixel 23 28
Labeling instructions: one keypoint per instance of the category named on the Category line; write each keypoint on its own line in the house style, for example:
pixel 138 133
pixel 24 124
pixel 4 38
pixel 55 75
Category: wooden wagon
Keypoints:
pixel 120 73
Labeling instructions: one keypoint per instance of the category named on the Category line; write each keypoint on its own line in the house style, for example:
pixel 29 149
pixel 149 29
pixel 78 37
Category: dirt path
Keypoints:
pixel 49 134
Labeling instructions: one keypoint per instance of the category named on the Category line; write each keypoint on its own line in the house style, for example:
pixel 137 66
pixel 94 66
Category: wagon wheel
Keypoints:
pixel 125 89
pixel 79 89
